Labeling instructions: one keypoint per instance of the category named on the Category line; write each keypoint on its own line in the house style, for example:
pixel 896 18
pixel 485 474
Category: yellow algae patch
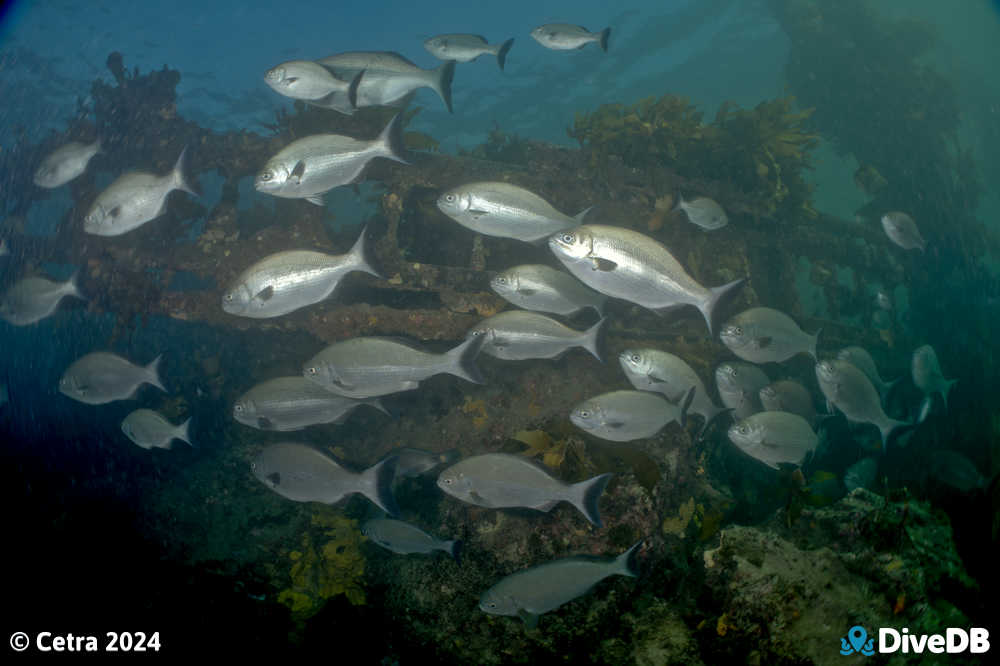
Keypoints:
pixel 478 410
pixel 676 525
pixel 540 443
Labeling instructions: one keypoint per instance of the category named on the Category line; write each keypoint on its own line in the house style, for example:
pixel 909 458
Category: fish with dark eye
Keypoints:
pixel 568 37
pixel 704 212
pixel 32 299
pixel 102 377
pixel 928 377
pixel 849 390
pixel 739 387
pixel 788 395
pixel 311 82
pixel 902 230
pixel 65 163
pixel 148 429
pixel 517 335
pixel 775 438
pixel 466 48
pixel 545 289
pixel 389 79
pixel 669 375
pixel 624 416
pixel 286 404
pixel 766 335
pixel 404 539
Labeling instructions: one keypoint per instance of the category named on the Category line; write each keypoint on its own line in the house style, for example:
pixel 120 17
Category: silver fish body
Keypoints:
pixel 404 539
pixel 774 438
pixel 927 374
pixel 148 429
pixel 101 377
pixel 787 395
pixel 864 362
pixel 624 416
pixel 739 387
pixel 704 212
pixel 883 298
pixel 902 230
pixel 414 462
pixel 308 81
pixel 544 289
pixel 389 77
pixel 65 163
pixel 465 47
pixel 505 211
pixel 286 404
pixel 500 480
pixel 517 335
pixel 666 373
pixel 849 390
pixel 625 264
pixel 766 335
pixel 567 37
pixel 304 474
pixel 32 299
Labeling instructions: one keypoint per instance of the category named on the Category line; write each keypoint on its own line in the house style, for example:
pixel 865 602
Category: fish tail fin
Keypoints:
pixel 442 84
pixel 455 550
pixel 502 53
pixel 684 402
pixel 153 373
pixel 605 34
pixel 893 428
pixel 376 484
pixel 97 146
pixel 625 564
pixel 72 287
pixel 887 389
pixel 461 361
pixel 585 495
pixel 715 295
pixel 361 259
pixel 391 140
pixel 352 89
pixel 582 214
pixel 678 204
pixel 946 391
pixel 377 404
pixel 600 304
pixel 711 413
pixel 814 340
pixel 181 178
pixel 183 433
pixel 590 340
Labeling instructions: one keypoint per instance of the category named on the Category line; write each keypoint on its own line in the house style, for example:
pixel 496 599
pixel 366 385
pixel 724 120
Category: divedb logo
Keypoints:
pixel 952 641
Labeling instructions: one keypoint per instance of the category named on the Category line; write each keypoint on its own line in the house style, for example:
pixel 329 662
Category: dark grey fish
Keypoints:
pixel 624 416
pixel 545 289
pixel 670 375
pixel 787 395
pixel 955 470
pixel 775 438
pixel 293 403
pixel 517 335
pixel 404 539
pixel 32 299
pixel 466 48
pixel 567 37
pixel 849 390
pixel 927 374
pixel 766 335
pixel 861 474
pixel 902 230
pixel 102 377
pixel 739 387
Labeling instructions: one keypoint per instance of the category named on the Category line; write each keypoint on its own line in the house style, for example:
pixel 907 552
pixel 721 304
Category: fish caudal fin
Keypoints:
pixel 455 550
pixel 946 390
pixel 183 433
pixel 585 495
pixel 391 140
pixel 181 176
pixel 502 53
pixel 153 373
pixel 685 404
pixel 605 34
pixel 442 85
pixel 893 428
pixel 72 287
pixel 590 340
pixel 360 260
pixel 814 340
pixel 715 295
pixel 461 361
pixel 624 564
pixel 376 485
pixel 352 89
pixel 582 214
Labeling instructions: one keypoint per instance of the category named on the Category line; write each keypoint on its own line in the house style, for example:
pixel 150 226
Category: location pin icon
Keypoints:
pixel 857 636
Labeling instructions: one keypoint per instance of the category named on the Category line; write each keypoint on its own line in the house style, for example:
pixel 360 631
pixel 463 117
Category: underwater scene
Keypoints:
pixel 651 333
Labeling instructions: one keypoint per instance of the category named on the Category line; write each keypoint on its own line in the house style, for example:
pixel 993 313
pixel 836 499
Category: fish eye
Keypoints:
pixel 501 279
pixel 238 408
pixel 584 413
pixel 266 176
pixel 312 371
pixel 737 330
pixel 567 238
pixel 229 297
pixel 447 481
pixel 744 429
pixel 449 198
pixel 493 604
pixel 635 358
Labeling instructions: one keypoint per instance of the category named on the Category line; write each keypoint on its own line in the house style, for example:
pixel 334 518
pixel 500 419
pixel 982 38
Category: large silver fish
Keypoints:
pixel 902 230
pixel 519 334
pixel 304 474
pixel 774 438
pixel 505 211
pixel 626 264
pixel 465 47
pixel 739 387
pixel 287 281
pixel 134 199
pixel 65 163
pixel 32 299
pixel 285 404
pixel 864 362
pixel 404 539
pixel 567 37
pixel 663 372
pixel 624 416
pixel 367 367
pixel 849 390
pixel 544 289
pixel 500 480
pixel 389 77
pixel 545 587
pixel 148 429
pixel 311 166
pixel 787 395
pixel 101 377
pixel 927 374
pixel 704 212
pixel 766 335
pixel 311 82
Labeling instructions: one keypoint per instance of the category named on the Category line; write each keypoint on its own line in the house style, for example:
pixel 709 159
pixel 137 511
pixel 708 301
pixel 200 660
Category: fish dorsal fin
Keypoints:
pixel 265 294
pixel 485 41
pixel 298 171
pixel 603 265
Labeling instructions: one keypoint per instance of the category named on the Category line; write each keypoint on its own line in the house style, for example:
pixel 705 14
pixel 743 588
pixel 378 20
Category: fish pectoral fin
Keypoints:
pixel 265 294
pixel 264 423
pixel 479 499
pixel 527 292
pixel 615 424
pixel 298 172
pixel 115 212
pixel 476 213
pixel 763 343
pixel 291 79
pixel 530 619
pixel 603 265
pixel 274 478
pixel 316 199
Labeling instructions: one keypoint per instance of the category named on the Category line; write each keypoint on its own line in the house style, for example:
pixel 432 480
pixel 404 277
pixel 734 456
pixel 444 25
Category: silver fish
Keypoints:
pixel 545 289
pixel 774 438
pixel 626 264
pixel 465 48
pixel 134 199
pixel 372 366
pixel 739 387
pixel 883 298
pixel 65 163
pixel 864 362
pixel 704 212
pixel 403 538
pixel 505 211
pixel 287 281
pixel 501 480
pixel 311 166
pixel 545 587
pixel 624 416
pixel 304 474
pixel 148 429
pixel 310 81
pixel 101 377
pixel 285 404
pixel 861 474
pixel 516 335
pixel 414 462
pixel 766 335
pixel 787 395
pixel 849 390
pixel 956 471
pixel 902 230
pixel 663 372
pixel 389 77
pixel 927 374
pixel 32 299
pixel 566 37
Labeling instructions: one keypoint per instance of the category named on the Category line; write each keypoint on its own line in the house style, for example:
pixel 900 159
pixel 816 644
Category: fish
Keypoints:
pixel 956 471
pixel 864 362
pixel 739 387
pixel 766 335
pixel 517 335
pixel 503 210
pixel 504 481
pixel 288 281
pixel 927 375
pixel 775 438
pixel 861 474
pixel 403 538
pixel 4 248
pixel 849 390
pixel 312 166
pixel 788 395
pixel 311 82
pixel 625 264
pixel 32 299
pixel 466 48
pixel 545 587
pixel 367 367
pixel 704 212
pixel 65 163
pixel 883 299
pixel 544 289
pixel 412 462
pixel 389 77
pixel 285 404
pixel 566 37
pixel 148 429
pixel 663 372
pixel 134 199
pixel 102 377
pixel 304 474
pixel 902 230
pixel 624 416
